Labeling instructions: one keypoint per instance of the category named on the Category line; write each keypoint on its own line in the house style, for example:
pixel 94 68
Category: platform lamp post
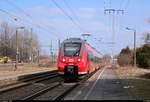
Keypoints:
pixel 17 50
pixel 134 44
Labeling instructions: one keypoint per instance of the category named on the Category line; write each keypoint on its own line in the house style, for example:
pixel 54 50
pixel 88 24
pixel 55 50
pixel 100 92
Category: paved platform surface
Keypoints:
pixel 104 85
pixel 8 75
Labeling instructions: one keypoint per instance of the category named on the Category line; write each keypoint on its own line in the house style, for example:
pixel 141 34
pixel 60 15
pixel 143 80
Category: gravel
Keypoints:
pixel 27 90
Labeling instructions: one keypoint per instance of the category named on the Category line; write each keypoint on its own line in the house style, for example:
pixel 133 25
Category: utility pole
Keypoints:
pixel 16 65
pixel 58 43
pixel 5 43
pixel 23 47
pixel 113 12
pixel 31 48
pixel 38 54
pixel 17 49
pixel 134 48
pixel 51 52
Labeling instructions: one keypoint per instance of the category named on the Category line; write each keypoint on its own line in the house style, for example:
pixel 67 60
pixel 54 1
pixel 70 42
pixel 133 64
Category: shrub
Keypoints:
pixel 143 56
pixel 125 57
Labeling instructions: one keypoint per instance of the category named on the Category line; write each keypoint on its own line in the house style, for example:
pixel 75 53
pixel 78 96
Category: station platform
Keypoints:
pixel 9 75
pixel 103 85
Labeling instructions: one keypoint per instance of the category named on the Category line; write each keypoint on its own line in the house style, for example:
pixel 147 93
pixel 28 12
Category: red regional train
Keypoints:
pixel 76 58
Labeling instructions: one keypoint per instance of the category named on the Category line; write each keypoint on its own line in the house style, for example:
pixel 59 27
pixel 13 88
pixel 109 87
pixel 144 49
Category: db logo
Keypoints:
pixel 71 60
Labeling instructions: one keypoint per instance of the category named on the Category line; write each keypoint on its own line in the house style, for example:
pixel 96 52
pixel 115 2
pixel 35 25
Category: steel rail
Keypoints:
pixel 40 92
pixel 62 95
pixel 28 82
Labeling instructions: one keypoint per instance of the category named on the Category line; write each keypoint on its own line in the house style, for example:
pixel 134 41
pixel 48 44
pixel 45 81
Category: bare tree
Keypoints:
pixel 27 47
pixel 147 38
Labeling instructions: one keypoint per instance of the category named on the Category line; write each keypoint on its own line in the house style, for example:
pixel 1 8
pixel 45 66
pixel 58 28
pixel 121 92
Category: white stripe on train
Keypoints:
pixel 78 72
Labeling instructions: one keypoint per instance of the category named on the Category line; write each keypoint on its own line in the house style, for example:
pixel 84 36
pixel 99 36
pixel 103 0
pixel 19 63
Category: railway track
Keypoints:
pixel 66 92
pixel 28 81
pixel 57 91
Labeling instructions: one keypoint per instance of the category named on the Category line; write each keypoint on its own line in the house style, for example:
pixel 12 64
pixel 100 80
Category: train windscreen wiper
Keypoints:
pixel 75 53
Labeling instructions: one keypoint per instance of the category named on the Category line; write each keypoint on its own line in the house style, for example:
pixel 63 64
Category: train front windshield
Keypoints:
pixel 72 49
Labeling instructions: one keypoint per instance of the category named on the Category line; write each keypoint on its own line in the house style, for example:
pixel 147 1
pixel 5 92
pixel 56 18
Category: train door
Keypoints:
pixel 90 61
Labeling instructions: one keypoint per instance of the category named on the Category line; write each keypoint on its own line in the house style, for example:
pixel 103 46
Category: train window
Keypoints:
pixel 72 49
pixel 90 56
pixel 96 60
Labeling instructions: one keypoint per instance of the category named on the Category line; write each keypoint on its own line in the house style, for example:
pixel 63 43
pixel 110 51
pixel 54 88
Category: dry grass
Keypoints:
pixel 23 69
pixel 131 72
pixel 136 77
pixel 46 62
pixel 8 74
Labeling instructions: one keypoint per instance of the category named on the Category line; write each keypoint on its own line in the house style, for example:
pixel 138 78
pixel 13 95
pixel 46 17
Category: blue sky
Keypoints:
pixel 88 14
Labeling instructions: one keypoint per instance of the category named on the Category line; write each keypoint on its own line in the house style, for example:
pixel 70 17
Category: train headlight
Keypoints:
pixel 79 59
pixel 63 59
